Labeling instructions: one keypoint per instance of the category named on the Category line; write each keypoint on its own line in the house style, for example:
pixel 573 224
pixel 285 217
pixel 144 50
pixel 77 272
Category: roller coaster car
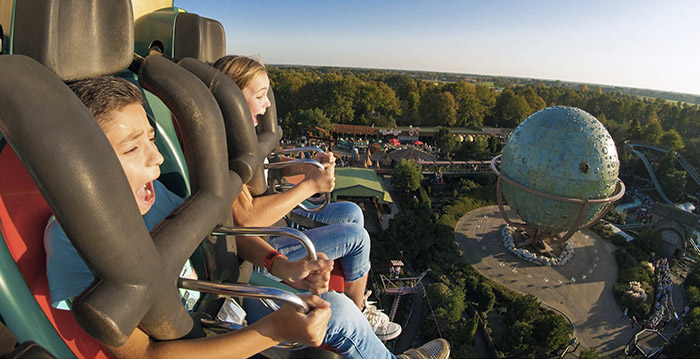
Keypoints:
pixel 56 160
pixel 195 42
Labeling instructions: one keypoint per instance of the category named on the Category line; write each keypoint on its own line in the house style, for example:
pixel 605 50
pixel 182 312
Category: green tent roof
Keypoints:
pixel 359 182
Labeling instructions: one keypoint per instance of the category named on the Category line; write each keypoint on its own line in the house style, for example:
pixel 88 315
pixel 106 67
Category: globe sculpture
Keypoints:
pixel 559 172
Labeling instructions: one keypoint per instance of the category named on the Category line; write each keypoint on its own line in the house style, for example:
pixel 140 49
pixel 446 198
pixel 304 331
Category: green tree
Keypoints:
pixel 518 341
pixel 478 149
pixel 376 104
pixel 649 240
pixel 414 230
pixel 445 140
pixel 589 353
pixel 551 332
pixel 438 108
pixel 687 343
pixel 534 101
pixel 451 301
pixel 693 278
pixel 692 152
pixel 305 121
pixel 524 307
pixel 485 297
pixel 511 109
pixel 407 175
pixel 652 132
pixel 672 139
pixel 672 180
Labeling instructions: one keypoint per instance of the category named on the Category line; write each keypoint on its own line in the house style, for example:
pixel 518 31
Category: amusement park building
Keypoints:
pixel 410 133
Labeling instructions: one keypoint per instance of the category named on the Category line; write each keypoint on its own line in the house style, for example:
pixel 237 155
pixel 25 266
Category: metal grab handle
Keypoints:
pixel 265 294
pixel 313 199
pixel 320 202
pixel 269 300
pixel 324 200
pixel 298 149
pixel 293 163
pixel 270 231
pixel 245 290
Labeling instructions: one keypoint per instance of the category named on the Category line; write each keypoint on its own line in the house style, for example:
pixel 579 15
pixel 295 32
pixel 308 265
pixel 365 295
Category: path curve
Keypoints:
pixel 582 289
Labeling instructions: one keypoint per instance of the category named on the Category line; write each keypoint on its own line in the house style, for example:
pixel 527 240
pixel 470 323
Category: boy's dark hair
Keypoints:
pixel 105 95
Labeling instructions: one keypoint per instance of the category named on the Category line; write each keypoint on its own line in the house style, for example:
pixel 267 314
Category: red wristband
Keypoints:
pixel 269 258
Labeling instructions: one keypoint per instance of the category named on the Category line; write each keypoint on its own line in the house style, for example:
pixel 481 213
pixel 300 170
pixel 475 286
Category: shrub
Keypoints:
pixel 551 332
pixel 618 240
pixel 649 241
pixel 424 198
pixel 624 259
pixel 485 297
pixel 590 353
pixel 469 329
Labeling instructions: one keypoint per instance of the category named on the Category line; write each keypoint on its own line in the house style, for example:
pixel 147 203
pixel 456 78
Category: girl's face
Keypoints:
pixel 256 96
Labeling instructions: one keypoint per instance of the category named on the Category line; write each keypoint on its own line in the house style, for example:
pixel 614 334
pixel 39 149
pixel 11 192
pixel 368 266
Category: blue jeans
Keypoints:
pixel 348 333
pixel 336 212
pixel 347 242
pixel 344 238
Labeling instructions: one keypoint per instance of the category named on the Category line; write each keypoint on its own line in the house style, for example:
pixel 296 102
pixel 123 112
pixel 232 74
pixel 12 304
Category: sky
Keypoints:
pixel 642 43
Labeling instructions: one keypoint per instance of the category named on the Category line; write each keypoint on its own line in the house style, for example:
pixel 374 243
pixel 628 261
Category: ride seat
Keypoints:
pixel 23 215
pixel 176 34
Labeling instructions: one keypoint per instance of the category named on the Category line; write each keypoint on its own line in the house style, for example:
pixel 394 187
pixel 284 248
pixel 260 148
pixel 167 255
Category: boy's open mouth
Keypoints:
pixel 145 194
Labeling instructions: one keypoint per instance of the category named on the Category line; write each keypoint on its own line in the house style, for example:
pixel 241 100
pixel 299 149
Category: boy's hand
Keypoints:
pixel 308 329
pixel 313 275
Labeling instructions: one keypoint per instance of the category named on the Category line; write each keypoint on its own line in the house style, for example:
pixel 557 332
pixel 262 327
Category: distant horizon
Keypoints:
pixel 485 75
pixel 641 44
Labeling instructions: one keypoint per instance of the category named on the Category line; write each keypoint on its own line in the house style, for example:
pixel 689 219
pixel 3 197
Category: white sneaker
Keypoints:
pixel 379 321
pixel 434 349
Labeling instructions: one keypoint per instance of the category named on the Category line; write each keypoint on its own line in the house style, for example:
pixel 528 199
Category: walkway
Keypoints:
pixel 581 289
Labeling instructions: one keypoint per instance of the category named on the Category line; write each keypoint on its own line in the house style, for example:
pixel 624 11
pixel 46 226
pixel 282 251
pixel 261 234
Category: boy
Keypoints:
pixel 116 104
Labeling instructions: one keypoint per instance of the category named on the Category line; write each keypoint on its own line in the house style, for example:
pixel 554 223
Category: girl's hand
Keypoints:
pixel 313 275
pixel 322 180
pixel 325 157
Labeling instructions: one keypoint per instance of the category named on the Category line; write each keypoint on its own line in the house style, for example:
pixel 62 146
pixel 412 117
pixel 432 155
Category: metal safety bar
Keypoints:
pixel 284 151
pixel 270 231
pixel 245 290
pixel 322 201
pixel 275 294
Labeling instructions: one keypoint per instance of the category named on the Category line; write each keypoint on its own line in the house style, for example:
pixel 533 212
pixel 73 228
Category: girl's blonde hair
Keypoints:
pixel 241 69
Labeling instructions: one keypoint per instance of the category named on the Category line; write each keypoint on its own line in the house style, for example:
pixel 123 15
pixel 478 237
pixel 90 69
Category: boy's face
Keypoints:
pixel 133 139
pixel 256 96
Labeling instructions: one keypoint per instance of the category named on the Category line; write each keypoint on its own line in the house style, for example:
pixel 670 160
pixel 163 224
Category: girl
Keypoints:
pixel 344 236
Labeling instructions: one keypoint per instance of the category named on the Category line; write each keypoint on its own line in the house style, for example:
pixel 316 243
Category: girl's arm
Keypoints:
pixel 267 210
pixel 313 275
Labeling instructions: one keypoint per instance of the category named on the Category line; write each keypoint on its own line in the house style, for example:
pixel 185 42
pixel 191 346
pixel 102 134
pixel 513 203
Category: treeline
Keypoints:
pixel 307 98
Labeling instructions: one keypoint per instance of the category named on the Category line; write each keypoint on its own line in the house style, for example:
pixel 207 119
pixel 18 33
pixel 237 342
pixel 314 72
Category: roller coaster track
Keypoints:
pixel 657 185
pixel 683 162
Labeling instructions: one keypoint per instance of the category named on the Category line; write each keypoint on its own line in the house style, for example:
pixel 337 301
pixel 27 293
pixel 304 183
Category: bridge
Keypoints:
pixel 455 168
pixel 448 168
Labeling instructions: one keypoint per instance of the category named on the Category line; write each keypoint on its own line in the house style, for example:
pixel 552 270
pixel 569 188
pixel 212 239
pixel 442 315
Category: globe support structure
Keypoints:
pixel 585 204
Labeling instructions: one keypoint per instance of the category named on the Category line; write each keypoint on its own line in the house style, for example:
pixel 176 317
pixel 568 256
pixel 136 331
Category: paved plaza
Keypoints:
pixel 582 289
